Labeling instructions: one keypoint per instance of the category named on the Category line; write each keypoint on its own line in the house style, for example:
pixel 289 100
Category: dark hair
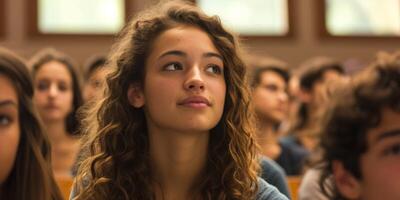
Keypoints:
pixel 354 111
pixel 258 71
pixel 119 163
pixel 257 66
pixel 31 176
pixel 48 55
pixel 309 73
pixel 313 70
pixel 94 63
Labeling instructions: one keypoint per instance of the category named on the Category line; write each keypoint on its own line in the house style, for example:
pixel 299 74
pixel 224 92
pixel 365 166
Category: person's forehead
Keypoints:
pixel 330 74
pixel 270 76
pixel 8 92
pixel 184 37
pixel 388 127
pixel 54 71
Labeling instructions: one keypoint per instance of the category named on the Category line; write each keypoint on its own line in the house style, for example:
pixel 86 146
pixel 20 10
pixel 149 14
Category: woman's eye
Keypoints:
pixel 272 88
pixel 4 120
pixel 173 67
pixel 215 69
pixel 97 84
pixel 62 87
pixel 393 150
pixel 42 86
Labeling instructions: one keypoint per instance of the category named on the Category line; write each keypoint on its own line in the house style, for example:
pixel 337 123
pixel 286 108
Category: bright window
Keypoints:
pixel 80 16
pixel 363 17
pixel 251 17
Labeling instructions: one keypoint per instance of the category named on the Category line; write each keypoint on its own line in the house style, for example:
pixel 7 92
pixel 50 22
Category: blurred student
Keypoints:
pixel 303 137
pixel 95 77
pixel 268 82
pixel 57 98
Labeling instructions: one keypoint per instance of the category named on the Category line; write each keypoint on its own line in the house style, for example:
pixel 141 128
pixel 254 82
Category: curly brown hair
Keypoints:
pixel 116 133
pixel 355 110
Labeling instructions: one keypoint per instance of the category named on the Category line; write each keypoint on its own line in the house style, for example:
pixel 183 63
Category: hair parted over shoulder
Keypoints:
pixel 119 165
pixel 31 176
pixel 47 55
pixel 354 111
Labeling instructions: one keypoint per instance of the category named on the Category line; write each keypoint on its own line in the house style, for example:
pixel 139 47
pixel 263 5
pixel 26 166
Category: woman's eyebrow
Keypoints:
pixel 7 102
pixel 211 54
pixel 388 134
pixel 183 54
pixel 174 52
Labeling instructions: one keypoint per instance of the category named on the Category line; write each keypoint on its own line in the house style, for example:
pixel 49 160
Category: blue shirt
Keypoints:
pixel 273 174
pixel 268 192
pixel 265 192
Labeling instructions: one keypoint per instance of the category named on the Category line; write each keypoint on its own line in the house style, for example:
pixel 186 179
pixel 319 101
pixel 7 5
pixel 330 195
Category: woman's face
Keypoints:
pixel 9 127
pixel 53 91
pixel 184 86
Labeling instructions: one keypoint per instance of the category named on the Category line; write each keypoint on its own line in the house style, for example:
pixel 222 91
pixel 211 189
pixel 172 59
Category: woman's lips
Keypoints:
pixel 195 102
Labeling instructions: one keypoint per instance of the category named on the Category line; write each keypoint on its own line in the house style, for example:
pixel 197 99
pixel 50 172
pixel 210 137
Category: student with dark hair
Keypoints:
pixel 361 135
pixel 95 76
pixel 268 79
pixel 174 123
pixel 57 98
pixel 303 137
pixel 25 171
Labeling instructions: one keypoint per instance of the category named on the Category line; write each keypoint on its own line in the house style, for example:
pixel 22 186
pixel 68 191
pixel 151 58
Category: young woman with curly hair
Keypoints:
pixel 174 123
pixel 25 171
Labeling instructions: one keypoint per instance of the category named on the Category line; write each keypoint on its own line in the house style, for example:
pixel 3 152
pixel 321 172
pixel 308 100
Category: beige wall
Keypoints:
pixel 304 44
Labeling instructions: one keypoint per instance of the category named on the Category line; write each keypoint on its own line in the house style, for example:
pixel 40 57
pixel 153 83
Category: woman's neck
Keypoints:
pixel 64 148
pixel 57 133
pixel 178 160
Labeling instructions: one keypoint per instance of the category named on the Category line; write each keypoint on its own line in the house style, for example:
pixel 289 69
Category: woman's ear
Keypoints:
pixel 135 95
pixel 346 184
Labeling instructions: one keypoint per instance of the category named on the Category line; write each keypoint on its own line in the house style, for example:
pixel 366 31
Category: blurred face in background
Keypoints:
pixel 9 127
pixel 270 97
pixel 320 88
pixel 53 91
pixel 94 86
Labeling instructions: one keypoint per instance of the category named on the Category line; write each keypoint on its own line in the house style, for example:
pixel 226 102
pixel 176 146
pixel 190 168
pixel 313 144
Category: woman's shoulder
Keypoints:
pixel 268 192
